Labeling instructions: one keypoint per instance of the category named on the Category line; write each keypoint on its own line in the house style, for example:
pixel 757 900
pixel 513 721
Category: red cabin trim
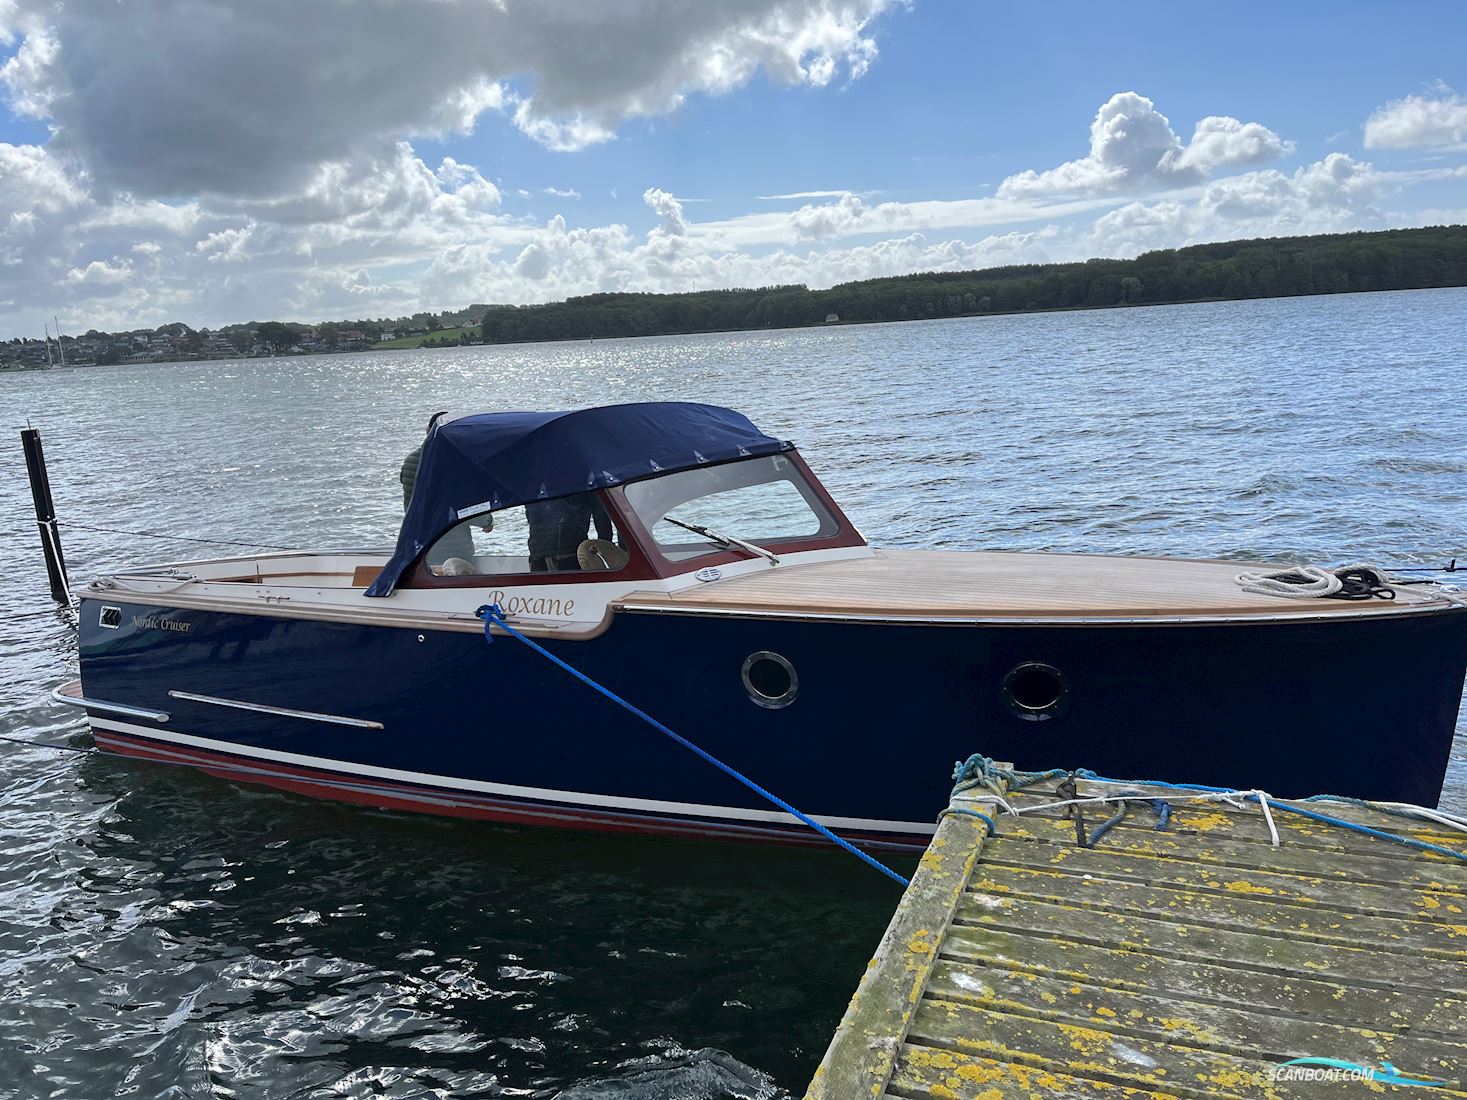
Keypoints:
pixel 845 531
pixel 645 564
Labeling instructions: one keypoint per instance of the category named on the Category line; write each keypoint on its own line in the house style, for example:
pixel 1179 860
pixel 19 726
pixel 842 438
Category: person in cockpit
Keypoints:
pixel 558 527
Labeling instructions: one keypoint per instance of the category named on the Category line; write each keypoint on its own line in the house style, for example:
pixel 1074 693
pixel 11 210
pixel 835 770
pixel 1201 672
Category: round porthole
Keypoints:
pixel 1035 691
pixel 770 680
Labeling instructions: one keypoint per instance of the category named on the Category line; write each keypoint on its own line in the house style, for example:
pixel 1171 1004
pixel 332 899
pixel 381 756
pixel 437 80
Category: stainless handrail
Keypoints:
pixel 60 695
pixel 286 712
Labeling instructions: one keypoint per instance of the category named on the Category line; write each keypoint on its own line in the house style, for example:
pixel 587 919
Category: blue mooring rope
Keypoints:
pixel 965 812
pixel 981 771
pixel 1159 806
pixel 1366 830
pixel 492 616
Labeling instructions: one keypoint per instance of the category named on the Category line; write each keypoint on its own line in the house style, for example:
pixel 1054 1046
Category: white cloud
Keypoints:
pixel 1222 142
pixel 100 273
pixel 1133 145
pixel 563 261
pixel 803 195
pixel 1431 121
pixel 564 135
pixel 837 219
pixel 168 97
pixel 378 231
pixel 1331 195
pixel 316 253
pixel 226 245
pixel 851 216
pixel 666 206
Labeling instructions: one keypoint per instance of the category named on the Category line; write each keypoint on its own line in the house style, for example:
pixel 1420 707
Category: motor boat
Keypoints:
pixel 695 567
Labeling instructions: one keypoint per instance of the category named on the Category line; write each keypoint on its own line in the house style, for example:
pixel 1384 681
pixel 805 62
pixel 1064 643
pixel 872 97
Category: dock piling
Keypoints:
pixel 35 465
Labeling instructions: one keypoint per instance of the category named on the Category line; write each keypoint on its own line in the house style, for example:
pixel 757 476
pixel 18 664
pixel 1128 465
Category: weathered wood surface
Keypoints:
pixel 863 1053
pixel 1185 963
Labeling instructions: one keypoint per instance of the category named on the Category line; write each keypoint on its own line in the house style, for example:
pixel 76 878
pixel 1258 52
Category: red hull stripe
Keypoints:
pixel 388 795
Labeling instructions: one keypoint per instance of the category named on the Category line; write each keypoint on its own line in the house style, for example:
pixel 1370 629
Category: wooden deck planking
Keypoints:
pixel 981 583
pixel 1184 963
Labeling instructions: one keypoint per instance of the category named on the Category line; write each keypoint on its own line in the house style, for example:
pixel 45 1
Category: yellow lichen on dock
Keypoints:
pixel 1190 962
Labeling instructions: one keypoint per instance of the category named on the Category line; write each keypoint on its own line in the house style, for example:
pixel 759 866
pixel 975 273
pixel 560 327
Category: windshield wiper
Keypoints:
pixel 725 540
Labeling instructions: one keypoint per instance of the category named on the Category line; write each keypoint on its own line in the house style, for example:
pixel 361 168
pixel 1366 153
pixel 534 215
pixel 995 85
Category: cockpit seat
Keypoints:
pixel 599 554
pixel 457 567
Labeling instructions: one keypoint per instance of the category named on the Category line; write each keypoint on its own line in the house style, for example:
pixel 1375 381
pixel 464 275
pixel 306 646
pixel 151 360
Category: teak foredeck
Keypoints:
pixel 1185 963
pixel 944 584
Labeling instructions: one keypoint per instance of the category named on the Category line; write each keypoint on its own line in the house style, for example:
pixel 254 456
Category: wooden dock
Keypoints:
pixel 1187 962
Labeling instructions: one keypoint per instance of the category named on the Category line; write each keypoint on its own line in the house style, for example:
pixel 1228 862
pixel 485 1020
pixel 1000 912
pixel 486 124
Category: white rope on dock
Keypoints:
pixel 1425 813
pixel 1236 799
pixel 1273 833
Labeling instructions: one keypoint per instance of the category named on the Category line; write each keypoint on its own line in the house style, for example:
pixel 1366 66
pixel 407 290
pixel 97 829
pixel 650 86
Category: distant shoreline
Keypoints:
pixel 1285 267
pixel 736 331
pixel 1398 259
pixel 920 320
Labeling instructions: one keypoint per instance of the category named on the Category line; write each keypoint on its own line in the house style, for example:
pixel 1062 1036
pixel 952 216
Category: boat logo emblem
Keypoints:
pixel 709 573
pixel 110 617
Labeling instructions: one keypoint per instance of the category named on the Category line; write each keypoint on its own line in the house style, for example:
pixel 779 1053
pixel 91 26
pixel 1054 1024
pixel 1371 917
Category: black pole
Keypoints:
pixel 35 466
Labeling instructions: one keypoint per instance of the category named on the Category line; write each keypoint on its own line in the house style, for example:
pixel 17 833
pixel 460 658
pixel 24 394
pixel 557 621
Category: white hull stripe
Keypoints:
pixel 541 794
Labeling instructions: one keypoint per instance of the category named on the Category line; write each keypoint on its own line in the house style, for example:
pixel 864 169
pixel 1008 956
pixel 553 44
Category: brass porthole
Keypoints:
pixel 770 680
pixel 1035 691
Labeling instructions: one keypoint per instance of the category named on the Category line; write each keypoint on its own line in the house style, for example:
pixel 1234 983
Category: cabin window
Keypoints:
pixel 567 534
pixel 759 500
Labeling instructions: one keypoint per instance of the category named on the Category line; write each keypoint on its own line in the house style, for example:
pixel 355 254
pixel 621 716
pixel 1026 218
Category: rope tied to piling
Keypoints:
pixel 982 771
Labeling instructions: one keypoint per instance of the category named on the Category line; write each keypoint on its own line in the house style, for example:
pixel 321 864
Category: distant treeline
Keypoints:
pixel 1398 259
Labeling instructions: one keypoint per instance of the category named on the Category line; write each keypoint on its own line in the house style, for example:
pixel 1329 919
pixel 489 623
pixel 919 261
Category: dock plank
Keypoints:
pixel 1313 890
pixel 1423 870
pixel 1300 995
pixel 1253 1029
pixel 1248 950
pixel 1241 903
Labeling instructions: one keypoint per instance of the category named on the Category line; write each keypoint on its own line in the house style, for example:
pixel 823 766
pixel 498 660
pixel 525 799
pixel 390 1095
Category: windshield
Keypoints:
pixel 760 500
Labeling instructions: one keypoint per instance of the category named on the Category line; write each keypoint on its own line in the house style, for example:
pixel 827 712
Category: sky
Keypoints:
pixel 220 161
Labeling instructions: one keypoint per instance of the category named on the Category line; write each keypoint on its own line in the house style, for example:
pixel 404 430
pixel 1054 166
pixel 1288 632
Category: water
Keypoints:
pixel 163 931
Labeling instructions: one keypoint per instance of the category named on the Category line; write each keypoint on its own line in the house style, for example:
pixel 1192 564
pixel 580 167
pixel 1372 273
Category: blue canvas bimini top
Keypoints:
pixel 489 461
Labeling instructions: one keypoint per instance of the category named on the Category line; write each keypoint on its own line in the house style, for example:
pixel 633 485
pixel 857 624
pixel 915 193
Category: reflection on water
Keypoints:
pixel 165 931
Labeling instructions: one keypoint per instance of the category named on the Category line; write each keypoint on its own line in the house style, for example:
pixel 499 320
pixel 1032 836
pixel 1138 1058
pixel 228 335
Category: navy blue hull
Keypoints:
pixel 1354 706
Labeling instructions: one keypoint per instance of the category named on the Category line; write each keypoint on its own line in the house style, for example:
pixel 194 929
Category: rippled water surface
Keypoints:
pixel 163 933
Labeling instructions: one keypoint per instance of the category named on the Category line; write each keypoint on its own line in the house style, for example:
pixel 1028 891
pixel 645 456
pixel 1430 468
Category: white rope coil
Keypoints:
pixel 1303 582
pixel 1300 582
